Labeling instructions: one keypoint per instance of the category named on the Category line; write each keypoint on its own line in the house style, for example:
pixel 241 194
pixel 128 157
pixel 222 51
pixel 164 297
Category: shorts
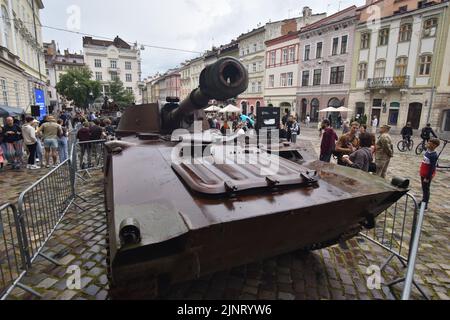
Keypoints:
pixel 51 144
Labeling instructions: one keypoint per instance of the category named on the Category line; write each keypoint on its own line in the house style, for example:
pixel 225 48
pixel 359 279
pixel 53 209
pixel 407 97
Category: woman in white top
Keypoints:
pixel 374 125
pixel 30 140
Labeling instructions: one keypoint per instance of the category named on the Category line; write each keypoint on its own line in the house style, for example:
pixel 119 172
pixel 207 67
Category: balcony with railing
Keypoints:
pixel 400 82
pixel 114 70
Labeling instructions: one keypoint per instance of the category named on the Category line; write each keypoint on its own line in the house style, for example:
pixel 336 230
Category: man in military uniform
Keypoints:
pixel 384 151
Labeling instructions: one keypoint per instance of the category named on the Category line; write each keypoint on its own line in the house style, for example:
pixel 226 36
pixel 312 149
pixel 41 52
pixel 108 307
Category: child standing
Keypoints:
pixel 428 169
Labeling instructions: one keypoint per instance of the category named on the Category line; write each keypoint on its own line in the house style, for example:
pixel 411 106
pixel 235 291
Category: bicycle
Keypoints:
pixel 438 165
pixel 421 147
pixel 405 145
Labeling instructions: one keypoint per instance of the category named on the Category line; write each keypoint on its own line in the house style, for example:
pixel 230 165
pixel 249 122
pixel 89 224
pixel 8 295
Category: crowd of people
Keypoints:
pixel 46 142
pixel 359 149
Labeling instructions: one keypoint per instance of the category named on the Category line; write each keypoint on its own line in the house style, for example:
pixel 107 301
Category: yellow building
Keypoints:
pixel 401 65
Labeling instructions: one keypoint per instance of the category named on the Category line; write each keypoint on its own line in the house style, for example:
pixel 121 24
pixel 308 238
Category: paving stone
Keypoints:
pixel 286 296
pixel 442 296
pixel 89 265
pixel 67 295
pixel 67 259
pixel 96 272
pixel 47 283
pixel 250 290
pixel 92 290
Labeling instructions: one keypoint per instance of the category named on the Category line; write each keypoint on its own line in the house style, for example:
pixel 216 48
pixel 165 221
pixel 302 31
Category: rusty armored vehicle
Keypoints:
pixel 182 206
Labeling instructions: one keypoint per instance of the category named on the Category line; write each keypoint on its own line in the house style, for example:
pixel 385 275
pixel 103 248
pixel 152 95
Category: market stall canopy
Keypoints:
pixel 344 109
pixel 230 109
pixel 7 111
pixel 213 109
pixel 329 109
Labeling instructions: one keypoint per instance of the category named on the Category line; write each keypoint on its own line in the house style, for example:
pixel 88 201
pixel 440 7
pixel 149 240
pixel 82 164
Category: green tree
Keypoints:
pixel 119 94
pixel 76 85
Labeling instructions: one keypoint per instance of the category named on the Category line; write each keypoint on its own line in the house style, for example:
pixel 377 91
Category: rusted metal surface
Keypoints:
pixel 228 169
pixel 142 118
pixel 171 219
pixel 186 233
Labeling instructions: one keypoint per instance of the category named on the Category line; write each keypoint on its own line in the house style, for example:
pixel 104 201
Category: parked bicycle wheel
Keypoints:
pixel 402 146
pixel 410 145
pixel 420 148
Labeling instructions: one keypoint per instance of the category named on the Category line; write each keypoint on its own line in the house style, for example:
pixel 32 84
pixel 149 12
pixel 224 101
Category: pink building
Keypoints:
pixel 169 85
pixel 325 68
pixel 173 84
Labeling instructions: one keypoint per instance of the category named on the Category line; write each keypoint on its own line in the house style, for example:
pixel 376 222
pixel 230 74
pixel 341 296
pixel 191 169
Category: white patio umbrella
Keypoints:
pixel 329 109
pixel 213 109
pixel 230 109
pixel 343 109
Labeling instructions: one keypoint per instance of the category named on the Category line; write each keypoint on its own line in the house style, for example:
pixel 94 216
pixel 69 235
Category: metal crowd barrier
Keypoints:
pixel 394 232
pixel 12 256
pixel 87 156
pixel 25 231
pixel 43 205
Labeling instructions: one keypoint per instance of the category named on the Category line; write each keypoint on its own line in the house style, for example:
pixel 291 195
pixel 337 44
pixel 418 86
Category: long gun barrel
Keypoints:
pixel 225 79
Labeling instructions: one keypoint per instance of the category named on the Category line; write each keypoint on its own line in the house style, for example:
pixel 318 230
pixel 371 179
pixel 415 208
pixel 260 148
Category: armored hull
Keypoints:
pixel 199 218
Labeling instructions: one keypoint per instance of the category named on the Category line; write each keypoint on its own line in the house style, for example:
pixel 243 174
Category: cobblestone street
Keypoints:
pixel 338 272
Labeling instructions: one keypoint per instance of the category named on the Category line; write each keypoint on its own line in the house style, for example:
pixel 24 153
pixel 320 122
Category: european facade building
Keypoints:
pixel 22 68
pixel 252 55
pixel 281 81
pixel 110 60
pixel 282 69
pixel 56 65
pixel 166 85
pixel 401 66
pixel 326 51
pixel 190 76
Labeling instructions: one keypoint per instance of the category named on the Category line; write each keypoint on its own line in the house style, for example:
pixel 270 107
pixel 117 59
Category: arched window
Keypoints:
pixel 315 107
pixel 380 68
pixel 401 65
pixel 6 25
pixel 334 103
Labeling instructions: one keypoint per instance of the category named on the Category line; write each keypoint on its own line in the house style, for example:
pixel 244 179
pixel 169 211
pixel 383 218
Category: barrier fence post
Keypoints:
pixel 395 229
pixel 14 261
pixel 409 281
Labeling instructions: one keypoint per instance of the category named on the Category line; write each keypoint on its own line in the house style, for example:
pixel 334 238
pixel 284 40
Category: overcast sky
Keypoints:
pixel 193 25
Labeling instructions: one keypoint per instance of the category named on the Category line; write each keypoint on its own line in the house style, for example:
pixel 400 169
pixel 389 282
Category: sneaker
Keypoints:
pixel 34 167
pixel 28 166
